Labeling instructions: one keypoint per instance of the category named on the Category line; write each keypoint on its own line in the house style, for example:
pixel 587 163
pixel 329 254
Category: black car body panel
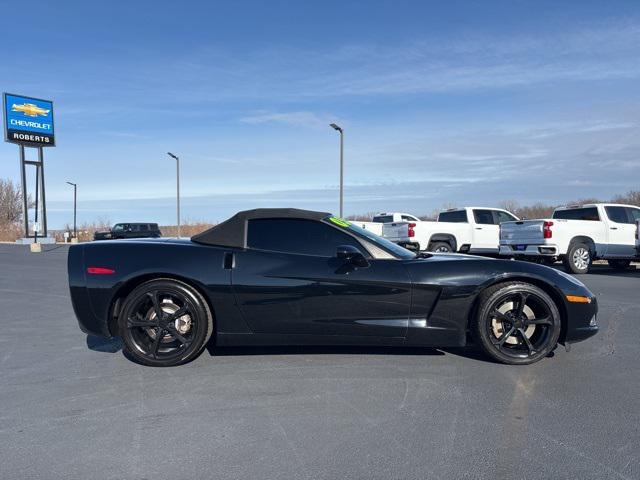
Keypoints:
pixel 267 297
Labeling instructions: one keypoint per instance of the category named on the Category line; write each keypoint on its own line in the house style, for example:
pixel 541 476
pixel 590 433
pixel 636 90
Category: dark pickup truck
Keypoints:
pixel 130 230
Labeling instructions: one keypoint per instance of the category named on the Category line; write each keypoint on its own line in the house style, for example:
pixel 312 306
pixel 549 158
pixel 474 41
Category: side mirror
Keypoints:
pixel 352 255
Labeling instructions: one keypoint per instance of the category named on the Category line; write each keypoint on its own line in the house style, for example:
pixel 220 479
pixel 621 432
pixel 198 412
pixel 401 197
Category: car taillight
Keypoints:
pixel 546 230
pixel 412 232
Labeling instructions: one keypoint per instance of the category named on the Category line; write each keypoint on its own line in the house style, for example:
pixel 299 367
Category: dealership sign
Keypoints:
pixel 28 121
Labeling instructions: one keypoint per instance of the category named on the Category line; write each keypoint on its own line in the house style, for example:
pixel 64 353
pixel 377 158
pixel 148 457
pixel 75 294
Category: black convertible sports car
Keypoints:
pixel 291 277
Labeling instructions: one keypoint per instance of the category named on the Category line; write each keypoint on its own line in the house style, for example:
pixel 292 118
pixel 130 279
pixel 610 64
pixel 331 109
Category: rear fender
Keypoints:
pixel 445 237
pixel 588 241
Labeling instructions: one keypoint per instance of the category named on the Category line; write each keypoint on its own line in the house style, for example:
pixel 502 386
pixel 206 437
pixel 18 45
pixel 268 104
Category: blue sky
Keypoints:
pixel 442 103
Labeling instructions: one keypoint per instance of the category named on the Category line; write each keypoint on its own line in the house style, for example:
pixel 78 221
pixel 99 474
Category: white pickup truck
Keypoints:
pixel 577 235
pixel 375 226
pixel 467 230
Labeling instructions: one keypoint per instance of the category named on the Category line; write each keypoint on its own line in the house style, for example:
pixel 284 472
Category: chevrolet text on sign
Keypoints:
pixel 28 121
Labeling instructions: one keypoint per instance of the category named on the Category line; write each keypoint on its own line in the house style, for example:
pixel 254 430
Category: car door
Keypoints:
pixel 133 231
pixel 622 231
pixel 485 232
pixel 290 281
pixel 118 230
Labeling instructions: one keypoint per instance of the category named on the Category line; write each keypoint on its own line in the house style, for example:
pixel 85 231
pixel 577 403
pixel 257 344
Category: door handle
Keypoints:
pixel 613 228
pixel 478 228
pixel 229 261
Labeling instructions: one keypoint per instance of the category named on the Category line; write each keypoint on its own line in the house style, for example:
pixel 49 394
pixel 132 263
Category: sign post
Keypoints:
pixel 28 122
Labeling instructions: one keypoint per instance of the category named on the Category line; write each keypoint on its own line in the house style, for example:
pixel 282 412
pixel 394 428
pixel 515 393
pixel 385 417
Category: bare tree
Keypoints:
pixel 11 202
pixel 510 206
pixel 630 198
pixel 364 217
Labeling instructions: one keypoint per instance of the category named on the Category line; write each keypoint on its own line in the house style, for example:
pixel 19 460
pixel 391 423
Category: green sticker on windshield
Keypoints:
pixel 340 222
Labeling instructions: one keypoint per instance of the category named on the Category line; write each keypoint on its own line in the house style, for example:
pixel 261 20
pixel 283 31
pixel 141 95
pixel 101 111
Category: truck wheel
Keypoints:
pixel 578 258
pixel 440 247
pixel 619 264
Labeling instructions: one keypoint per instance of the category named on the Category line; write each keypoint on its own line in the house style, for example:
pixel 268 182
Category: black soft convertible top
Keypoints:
pixel 233 232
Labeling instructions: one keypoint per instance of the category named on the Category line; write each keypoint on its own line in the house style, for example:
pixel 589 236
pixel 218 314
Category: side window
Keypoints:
pixel 618 214
pixel 307 237
pixel 144 227
pixel 504 217
pixel 588 213
pixel 118 227
pixel 135 228
pixel 408 218
pixel 483 217
pixel 454 216
pixel 634 213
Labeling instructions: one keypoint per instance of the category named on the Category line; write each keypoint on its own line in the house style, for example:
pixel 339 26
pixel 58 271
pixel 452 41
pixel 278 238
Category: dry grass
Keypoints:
pixel 86 230
pixel 186 229
pixel 10 232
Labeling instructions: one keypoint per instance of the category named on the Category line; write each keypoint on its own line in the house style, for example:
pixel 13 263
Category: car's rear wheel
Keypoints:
pixel 619 264
pixel 517 323
pixel 440 247
pixel 578 258
pixel 165 322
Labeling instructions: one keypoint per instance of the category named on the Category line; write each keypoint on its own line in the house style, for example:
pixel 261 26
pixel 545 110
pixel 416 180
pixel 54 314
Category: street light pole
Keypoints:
pixel 177 187
pixel 339 129
pixel 75 198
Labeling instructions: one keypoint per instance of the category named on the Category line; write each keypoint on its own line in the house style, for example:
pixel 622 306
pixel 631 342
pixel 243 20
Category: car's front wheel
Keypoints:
pixel 165 322
pixel 517 323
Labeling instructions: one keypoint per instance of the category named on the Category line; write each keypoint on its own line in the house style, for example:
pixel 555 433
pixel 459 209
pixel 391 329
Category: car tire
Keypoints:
pixel 164 322
pixel 578 258
pixel 440 247
pixel 619 264
pixel 536 325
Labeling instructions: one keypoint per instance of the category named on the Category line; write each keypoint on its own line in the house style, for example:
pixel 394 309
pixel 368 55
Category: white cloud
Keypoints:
pixel 299 119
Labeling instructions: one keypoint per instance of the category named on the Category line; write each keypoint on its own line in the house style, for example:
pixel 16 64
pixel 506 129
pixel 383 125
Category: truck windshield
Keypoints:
pixel 396 250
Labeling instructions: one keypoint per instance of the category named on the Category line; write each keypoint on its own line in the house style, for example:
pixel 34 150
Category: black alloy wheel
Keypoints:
pixel 517 323
pixel 165 322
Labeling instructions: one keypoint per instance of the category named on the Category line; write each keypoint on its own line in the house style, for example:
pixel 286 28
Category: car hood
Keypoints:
pixel 439 257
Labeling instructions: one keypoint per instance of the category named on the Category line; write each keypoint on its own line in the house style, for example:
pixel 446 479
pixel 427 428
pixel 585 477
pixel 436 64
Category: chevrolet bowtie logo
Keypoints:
pixel 30 110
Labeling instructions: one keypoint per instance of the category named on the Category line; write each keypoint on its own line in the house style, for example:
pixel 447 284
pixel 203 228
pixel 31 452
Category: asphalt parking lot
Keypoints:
pixel 74 407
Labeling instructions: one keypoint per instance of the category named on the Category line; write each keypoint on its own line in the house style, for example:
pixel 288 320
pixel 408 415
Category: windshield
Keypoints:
pixel 383 243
